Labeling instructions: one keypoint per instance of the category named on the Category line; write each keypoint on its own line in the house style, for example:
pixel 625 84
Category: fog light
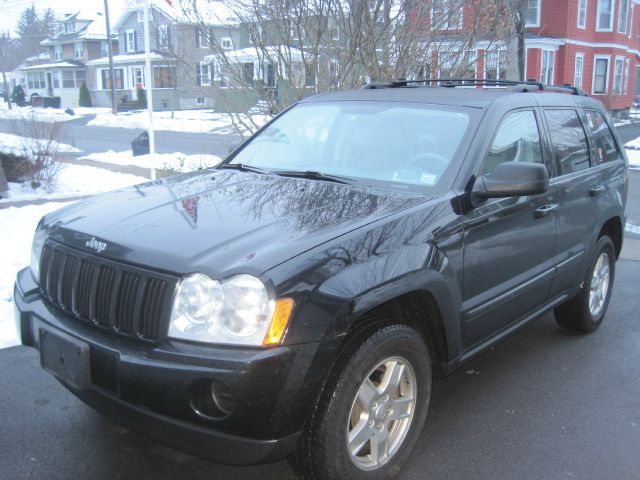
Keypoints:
pixel 212 399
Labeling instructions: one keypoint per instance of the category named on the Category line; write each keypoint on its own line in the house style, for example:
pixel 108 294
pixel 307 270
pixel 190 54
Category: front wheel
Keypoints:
pixel 372 411
pixel 585 311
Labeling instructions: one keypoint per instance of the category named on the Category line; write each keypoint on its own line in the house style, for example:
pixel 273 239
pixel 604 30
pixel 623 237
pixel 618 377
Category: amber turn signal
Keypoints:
pixel 279 322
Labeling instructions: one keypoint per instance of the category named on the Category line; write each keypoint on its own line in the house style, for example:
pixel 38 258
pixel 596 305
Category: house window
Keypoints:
pixel 36 80
pixel 626 76
pixel 203 74
pixel 600 75
pixel 200 100
pixel 547 67
pixel 55 77
pixel 495 65
pixel 104 48
pixel 78 50
pixel 269 75
pixel 582 13
pixel 623 15
pixel 69 27
pixel 68 79
pixel 140 15
pixel 617 76
pixel 163 36
pixel 201 38
pixel 57 52
pixel 604 17
pixel 446 15
pixel 226 43
pixel 118 76
pixel 164 77
pixel 579 66
pixel 256 33
pixel 130 43
pixel 533 13
pixel 247 73
pixel 456 64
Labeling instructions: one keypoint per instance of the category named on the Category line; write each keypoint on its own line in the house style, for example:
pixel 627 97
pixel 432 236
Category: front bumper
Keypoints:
pixel 164 390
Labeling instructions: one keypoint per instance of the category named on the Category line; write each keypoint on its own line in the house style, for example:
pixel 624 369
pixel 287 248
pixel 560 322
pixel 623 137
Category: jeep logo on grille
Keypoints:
pixel 97 245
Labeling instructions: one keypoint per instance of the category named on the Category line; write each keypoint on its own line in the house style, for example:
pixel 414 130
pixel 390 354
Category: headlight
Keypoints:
pixel 36 250
pixel 237 311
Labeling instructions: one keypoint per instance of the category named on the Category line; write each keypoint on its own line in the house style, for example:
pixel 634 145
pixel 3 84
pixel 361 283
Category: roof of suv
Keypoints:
pixel 468 96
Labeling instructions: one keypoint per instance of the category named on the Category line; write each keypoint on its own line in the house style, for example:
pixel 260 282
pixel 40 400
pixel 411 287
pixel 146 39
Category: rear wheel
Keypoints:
pixel 372 410
pixel 585 311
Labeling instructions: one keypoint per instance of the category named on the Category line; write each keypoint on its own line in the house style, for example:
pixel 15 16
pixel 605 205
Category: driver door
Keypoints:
pixel 508 242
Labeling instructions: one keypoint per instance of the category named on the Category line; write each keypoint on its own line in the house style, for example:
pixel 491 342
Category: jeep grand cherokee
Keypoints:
pixel 297 299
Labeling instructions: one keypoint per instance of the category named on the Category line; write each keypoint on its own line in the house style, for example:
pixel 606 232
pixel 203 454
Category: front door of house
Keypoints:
pixel 49 85
pixel 138 77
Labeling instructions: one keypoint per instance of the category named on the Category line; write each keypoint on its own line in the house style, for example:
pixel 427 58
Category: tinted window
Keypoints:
pixel 568 140
pixel 517 140
pixel 606 149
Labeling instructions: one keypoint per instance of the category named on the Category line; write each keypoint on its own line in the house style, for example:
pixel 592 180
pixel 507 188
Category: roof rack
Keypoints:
pixel 521 86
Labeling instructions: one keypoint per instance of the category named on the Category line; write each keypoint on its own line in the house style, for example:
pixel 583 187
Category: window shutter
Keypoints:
pixel 198 75
pixel 135 41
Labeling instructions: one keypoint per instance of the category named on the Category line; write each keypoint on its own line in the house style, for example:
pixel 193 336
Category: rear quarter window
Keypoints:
pixel 606 149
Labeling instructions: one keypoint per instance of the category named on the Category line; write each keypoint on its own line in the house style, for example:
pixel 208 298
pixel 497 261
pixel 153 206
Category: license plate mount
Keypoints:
pixel 65 357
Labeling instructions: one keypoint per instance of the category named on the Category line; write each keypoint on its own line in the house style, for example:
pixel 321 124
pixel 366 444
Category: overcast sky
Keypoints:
pixel 10 10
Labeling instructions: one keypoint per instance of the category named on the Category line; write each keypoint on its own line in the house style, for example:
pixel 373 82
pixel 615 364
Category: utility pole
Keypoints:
pixel 3 41
pixel 114 103
pixel 150 85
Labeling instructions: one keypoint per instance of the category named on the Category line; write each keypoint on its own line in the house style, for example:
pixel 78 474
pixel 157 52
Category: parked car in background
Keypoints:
pixel 297 300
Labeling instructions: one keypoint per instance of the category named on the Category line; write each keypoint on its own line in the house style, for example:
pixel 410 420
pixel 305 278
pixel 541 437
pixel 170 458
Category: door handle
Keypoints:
pixel 596 190
pixel 545 210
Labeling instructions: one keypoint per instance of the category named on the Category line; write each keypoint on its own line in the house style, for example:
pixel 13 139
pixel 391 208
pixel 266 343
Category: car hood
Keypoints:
pixel 220 222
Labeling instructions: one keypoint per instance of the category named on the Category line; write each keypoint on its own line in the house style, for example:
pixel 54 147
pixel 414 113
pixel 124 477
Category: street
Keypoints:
pixel 92 139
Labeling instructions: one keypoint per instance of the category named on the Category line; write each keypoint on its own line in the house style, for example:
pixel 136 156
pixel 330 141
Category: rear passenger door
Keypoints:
pixel 576 186
pixel 509 242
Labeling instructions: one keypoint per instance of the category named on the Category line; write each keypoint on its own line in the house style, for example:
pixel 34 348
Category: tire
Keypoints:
pixel 585 312
pixel 369 362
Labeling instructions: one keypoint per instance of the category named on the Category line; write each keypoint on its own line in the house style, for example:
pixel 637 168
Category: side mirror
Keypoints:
pixel 512 179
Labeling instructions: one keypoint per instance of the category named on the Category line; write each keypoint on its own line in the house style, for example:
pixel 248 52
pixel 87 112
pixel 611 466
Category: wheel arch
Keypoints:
pixel 614 229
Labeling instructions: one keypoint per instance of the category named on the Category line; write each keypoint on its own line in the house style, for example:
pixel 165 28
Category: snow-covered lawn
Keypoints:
pixel 46 114
pixel 174 161
pixel 73 180
pixel 19 145
pixel 633 153
pixel 196 121
pixel 18 225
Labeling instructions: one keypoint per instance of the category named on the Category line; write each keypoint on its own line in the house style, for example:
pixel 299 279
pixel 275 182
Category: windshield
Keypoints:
pixel 386 141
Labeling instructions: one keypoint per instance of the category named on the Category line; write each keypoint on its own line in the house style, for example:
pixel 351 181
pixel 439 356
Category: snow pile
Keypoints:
pixel 633 153
pixel 178 162
pixel 195 121
pixel 19 145
pixel 15 252
pixel 632 228
pixel 47 114
pixel 73 180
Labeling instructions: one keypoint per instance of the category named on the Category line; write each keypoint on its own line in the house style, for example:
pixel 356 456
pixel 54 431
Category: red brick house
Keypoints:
pixel 589 43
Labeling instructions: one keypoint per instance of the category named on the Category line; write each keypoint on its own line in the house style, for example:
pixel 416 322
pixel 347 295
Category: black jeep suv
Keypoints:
pixel 297 299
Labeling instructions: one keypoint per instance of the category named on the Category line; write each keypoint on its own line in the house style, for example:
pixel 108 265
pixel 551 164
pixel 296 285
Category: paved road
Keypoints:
pixel 91 139
pixel 544 405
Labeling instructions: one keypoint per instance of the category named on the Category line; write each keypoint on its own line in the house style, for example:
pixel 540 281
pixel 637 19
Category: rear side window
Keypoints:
pixel 517 140
pixel 568 140
pixel 606 149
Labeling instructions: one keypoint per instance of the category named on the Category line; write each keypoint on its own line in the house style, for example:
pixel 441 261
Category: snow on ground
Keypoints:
pixel 73 180
pixel 15 252
pixel 195 121
pixel 19 145
pixel 174 161
pixel 47 114
pixel 632 228
pixel 633 153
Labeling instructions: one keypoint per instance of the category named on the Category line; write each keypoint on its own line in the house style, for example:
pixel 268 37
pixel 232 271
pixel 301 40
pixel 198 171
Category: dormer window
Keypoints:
pixel 69 27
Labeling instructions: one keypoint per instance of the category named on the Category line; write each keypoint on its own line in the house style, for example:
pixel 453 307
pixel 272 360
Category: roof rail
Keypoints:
pixel 519 85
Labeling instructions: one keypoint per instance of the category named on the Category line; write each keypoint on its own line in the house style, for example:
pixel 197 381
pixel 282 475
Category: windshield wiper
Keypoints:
pixel 313 175
pixel 244 168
